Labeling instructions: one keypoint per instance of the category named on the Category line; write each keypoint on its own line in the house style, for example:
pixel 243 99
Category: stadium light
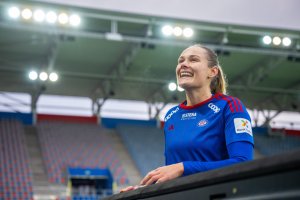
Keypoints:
pixel 286 41
pixel 63 18
pixel 14 12
pixel 39 15
pixel 114 36
pixel 53 77
pixel 43 76
pixel 225 39
pixel 276 40
pixel 177 31
pixel 188 32
pixel 26 13
pixel 267 40
pixel 167 30
pixel 172 86
pixel 33 75
pixel 180 89
pixel 51 17
pixel 75 20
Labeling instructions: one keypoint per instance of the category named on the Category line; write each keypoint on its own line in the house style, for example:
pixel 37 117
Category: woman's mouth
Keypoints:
pixel 185 74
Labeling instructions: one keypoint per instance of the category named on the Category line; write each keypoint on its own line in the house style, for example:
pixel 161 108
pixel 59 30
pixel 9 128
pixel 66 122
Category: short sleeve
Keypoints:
pixel 237 123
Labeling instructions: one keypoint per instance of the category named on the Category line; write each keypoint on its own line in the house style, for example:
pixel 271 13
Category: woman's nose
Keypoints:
pixel 184 64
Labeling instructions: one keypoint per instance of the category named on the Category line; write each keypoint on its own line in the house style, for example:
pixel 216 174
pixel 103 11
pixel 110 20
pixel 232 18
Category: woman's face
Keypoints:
pixel 192 69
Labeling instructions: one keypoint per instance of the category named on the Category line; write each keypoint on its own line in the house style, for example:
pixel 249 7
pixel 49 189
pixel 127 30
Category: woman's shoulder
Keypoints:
pixel 233 103
pixel 171 112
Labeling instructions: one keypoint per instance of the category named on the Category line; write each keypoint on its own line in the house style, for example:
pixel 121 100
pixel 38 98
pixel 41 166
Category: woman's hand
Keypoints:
pixel 163 174
pixel 129 188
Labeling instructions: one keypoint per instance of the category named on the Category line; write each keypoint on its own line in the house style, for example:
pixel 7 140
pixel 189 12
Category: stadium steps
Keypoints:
pixel 257 154
pixel 41 186
pixel 125 159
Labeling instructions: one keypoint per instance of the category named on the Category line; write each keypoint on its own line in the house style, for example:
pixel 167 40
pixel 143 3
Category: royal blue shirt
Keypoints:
pixel 212 134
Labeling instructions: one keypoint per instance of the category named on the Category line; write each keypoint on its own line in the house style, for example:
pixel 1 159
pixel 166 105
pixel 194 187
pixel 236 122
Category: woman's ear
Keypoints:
pixel 213 71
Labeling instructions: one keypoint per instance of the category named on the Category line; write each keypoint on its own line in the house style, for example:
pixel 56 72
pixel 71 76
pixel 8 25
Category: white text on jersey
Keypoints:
pixel 188 116
pixel 172 113
pixel 215 108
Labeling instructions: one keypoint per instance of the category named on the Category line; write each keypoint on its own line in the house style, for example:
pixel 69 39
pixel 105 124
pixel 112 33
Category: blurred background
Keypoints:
pixel 85 85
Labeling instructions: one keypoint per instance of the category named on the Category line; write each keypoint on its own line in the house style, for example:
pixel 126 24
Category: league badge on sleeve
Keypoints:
pixel 242 125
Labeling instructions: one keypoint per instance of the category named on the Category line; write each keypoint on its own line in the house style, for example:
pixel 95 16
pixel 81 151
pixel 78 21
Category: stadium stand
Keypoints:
pixel 16 175
pixel 77 145
pixel 274 144
pixel 145 145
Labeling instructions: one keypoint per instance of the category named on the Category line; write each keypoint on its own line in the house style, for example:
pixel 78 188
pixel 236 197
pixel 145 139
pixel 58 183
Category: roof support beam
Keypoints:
pixel 286 98
pixel 52 54
pixel 117 73
pixel 288 91
pixel 136 39
pixel 34 99
pixel 259 71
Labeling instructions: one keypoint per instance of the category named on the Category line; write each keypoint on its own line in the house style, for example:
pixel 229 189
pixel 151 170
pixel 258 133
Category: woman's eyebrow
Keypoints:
pixel 194 56
pixel 180 57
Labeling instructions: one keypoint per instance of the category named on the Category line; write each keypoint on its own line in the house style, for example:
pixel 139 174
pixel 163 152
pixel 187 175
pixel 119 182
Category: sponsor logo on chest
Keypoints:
pixel 187 116
pixel 215 108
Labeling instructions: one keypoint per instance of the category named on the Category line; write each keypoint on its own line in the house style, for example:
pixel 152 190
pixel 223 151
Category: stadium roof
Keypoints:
pixel 125 56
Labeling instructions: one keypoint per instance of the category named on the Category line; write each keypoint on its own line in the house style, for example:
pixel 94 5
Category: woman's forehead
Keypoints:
pixel 193 50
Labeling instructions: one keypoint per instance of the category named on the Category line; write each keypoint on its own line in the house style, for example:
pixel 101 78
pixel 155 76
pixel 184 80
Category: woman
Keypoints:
pixel 207 131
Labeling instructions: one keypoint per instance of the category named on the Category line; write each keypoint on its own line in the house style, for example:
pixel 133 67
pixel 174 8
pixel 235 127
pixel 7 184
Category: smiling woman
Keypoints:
pixel 210 71
pixel 209 129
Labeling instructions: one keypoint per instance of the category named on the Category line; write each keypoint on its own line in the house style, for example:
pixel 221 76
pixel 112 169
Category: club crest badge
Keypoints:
pixel 202 123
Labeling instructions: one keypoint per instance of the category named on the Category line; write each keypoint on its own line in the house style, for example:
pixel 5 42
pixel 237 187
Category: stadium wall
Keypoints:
pixel 27 119
pixel 112 123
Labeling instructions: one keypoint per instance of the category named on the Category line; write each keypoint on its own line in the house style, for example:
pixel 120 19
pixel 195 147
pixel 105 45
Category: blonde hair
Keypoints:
pixel 218 83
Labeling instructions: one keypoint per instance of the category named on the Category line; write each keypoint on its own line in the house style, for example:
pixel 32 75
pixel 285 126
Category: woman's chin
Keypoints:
pixel 184 85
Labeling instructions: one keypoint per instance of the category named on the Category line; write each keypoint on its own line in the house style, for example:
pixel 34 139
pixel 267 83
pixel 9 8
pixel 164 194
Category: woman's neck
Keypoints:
pixel 196 96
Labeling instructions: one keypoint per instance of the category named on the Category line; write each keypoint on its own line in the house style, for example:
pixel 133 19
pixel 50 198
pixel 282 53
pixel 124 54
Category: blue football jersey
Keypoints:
pixel 203 132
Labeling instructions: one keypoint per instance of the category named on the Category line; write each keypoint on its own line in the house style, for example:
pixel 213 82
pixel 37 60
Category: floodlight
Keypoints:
pixel 51 17
pixel 26 13
pixel 188 32
pixel 33 75
pixel 53 77
pixel 177 31
pixel 75 20
pixel 267 40
pixel 43 76
pixel 172 86
pixel 286 41
pixel 39 15
pixel 14 12
pixel 167 30
pixel 63 18
pixel 180 89
pixel 276 40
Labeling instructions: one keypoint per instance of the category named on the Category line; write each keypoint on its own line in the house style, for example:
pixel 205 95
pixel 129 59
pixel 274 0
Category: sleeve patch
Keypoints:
pixel 242 125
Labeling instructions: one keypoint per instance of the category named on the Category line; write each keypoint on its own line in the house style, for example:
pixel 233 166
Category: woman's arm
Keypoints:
pixel 238 152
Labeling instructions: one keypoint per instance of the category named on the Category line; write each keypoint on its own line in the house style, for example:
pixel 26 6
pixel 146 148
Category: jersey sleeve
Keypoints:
pixel 235 156
pixel 237 123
